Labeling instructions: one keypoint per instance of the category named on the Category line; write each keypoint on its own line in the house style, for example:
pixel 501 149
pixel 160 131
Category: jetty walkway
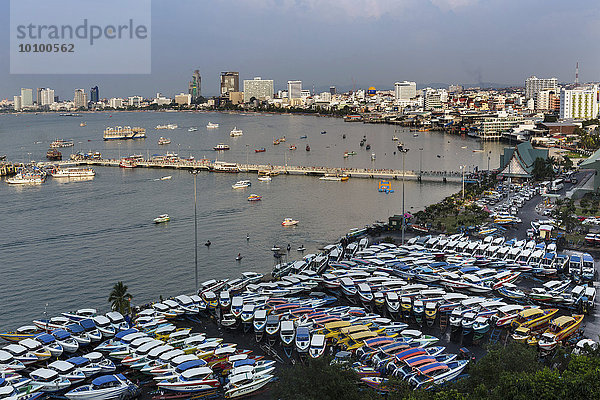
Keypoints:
pixel 208 165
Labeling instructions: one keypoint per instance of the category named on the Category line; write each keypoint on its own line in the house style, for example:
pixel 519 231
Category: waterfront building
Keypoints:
pixel 195 85
pixel 325 97
pixel 17 103
pixel 533 85
pixel 434 98
pixel 115 103
pixel 80 98
pixel 491 128
pixel 517 162
pixel 135 101
pixel 26 97
pixel 547 100
pixel 236 97
pixel 94 94
pixel 183 99
pixel 46 97
pixel 260 89
pixel 38 96
pixel 294 89
pixel 579 103
pixel 304 93
pixel 161 100
pixel 230 82
pixel 405 90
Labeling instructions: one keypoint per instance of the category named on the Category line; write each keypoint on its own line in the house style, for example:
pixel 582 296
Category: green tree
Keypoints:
pixel 120 299
pixel 542 169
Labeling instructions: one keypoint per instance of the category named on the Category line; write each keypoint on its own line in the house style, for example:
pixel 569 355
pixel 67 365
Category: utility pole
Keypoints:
pixel 404 151
pixel 195 173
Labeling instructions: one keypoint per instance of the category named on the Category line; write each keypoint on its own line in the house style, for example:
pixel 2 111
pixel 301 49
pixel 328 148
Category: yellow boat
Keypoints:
pixel 21 333
pixel 521 334
pixel 560 329
pixel 357 340
pixel 332 329
pixel 534 318
pixel 345 333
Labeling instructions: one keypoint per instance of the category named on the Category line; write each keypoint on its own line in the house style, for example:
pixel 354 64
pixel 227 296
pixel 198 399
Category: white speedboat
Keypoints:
pixel 210 125
pixel 302 339
pixel 436 373
pixel 245 384
pixel 162 218
pixel 49 380
pixel 105 387
pixel 8 363
pixel 192 129
pixel 289 222
pixel 36 348
pixel 67 370
pixel 64 338
pixel 265 178
pixel 287 333
pixel 236 132
pixel 241 184
pixel 20 353
pixel 317 346
pixel 104 326
pixel 163 140
pixel 49 343
pixel 192 380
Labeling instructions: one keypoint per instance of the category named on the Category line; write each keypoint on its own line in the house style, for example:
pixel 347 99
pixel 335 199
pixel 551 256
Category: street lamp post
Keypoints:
pixel 420 162
pixel 404 151
pixel 462 169
pixel 489 155
pixel 195 173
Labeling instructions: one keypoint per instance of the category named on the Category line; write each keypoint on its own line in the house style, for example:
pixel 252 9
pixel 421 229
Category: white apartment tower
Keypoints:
pixel 294 89
pixel 579 103
pixel 405 90
pixel 260 89
pixel 80 98
pixel 533 85
pixel 26 97
pixel 46 97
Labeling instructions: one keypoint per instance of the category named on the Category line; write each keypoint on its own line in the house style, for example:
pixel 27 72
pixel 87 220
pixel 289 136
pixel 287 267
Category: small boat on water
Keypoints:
pixel 334 177
pixel 162 218
pixel 54 155
pixel 127 163
pixel 293 147
pixel 276 142
pixel 241 184
pixel 303 137
pixel 61 143
pixel 221 147
pixel 106 387
pixel 265 178
pixel 236 132
pixel 368 147
pixel 245 384
pixel 307 148
pixel 192 129
pixel 210 125
pixel 254 197
pixel 261 150
pixel 282 139
pixel 166 178
pixel 163 140
pixel 395 138
pixel 323 132
pixel 301 248
pixel 25 178
pixel 289 222
pixel 82 124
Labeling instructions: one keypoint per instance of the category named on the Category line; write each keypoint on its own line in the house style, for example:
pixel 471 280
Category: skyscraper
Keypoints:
pixel 195 85
pixel 533 85
pixel 260 89
pixel 579 103
pixel 332 90
pixel 94 94
pixel 46 97
pixel 80 98
pixel 17 103
pixel 405 90
pixel 230 82
pixel 38 97
pixel 26 97
pixel 294 89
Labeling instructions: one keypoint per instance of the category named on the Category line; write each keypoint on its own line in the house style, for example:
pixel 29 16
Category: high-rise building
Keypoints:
pixel 115 103
pixel 579 103
pixel 533 85
pixel 26 97
pixel 94 94
pixel 38 97
pixel 332 90
pixel 46 97
pixel 434 98
pixel 230 82
pixel 195 85
pixel 80 98
pixel 258 88
pixel 546 100
pixel 17 104
pixel 455 88
pixel 183 99
pixel 294 89
pixel 405 90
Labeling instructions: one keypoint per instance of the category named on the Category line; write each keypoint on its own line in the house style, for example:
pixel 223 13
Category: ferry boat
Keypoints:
pixel 221 147
pixel 127 163
pixel 210 125
pixel 25 178
pixel 162 218
pixel 163 140
pixel 236 132
pixel 254 197
pixel 72 172
pixel 54 155
pixel 222 166
pixel 123 133
pixel 241 184
pixel 289 222
pixel 334 177
pixel 61 143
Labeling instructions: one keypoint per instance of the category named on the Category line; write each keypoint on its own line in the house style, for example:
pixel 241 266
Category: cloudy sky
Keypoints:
pixel 346 43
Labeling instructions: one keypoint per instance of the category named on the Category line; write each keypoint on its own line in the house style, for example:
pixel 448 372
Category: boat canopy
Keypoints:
pixel 45 338
pixel 124 333
pixel 378 341
pixel 78 361
pixel 44 374
pixel 75 328
pixel 189 365
pixel 198 372
pixel 240 363
pixel 61 334
pixel 563 320
pixel 429 368
pixel 87 324
pixel 412 352
pixel 103 380
pixel 419 360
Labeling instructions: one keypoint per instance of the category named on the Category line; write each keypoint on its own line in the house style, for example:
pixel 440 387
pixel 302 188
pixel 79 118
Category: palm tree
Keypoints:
pixel 120 299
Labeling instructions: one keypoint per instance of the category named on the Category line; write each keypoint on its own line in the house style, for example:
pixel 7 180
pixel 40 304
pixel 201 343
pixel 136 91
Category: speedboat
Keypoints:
pixel 67 370
pixel 8 363
pixel 211 125
pixel 241 184
pixel 107 387
pixel 49 343
pixel 91 330
pixel 85 365
pixel 254 197
pixel 192 380
pixel 436 373
pixel 289 222
pixel 302 339
pixel 36 348
pixel 286 333
pixel 64 338
pixel 163 140
pixel 265 178
pixel 246 383
pixel 161 218
pixel 221 147
pixel 20 353
pixel 317 346
pixel 236 132
pixel 104 326
pixel 49 380
pixel 21 333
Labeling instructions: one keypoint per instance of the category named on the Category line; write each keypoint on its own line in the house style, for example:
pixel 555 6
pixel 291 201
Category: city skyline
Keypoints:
pixel 347 44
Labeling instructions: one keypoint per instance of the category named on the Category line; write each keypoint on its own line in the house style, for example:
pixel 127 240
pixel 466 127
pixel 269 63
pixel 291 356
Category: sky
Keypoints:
pixel 346 43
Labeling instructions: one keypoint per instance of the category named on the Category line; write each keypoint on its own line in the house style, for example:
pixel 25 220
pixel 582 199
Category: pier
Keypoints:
pixel 208 165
